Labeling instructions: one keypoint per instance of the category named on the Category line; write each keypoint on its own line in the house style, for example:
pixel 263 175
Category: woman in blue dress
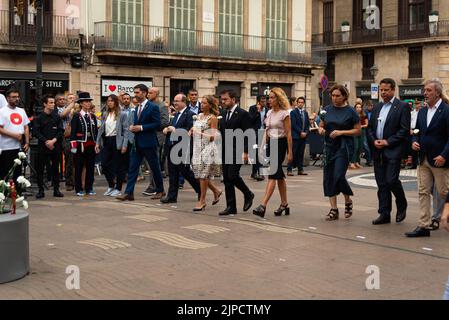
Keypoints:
pixel 340 124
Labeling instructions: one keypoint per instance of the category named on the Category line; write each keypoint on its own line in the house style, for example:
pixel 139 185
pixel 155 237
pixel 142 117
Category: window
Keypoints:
pixel 415 62
pixel 413 17
pixel 368 62
pixel 231 27
pixel 328 23
pixel 183 25
pixel 330 67
pixel 277 28
pixel 127 18
pixel 361 33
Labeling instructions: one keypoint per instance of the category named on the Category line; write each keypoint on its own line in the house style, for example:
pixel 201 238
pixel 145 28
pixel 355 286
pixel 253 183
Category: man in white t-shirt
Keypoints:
pixel 3 102
pixel 13 127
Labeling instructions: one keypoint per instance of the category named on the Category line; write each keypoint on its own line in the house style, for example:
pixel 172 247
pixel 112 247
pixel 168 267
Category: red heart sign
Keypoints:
pixel 16 119
pixel 112 88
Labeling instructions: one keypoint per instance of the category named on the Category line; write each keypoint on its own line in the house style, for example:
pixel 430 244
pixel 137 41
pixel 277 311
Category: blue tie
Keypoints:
pixel 175 122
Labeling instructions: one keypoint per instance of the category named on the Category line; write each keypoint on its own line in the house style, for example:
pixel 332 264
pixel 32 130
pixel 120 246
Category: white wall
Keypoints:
pixel 91 12
pixel 156 13
pixel 299 25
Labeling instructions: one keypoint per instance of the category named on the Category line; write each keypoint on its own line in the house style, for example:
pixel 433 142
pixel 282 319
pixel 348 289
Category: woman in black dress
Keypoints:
pixel 340 124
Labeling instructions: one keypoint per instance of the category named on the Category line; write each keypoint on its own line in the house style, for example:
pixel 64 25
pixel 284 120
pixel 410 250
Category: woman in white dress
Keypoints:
pixel 206 160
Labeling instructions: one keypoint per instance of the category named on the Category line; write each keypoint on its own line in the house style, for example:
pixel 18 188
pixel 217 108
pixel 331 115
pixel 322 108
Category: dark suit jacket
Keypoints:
pixel 299 124
pixel 396 130
pixel 240 120
pixel 150 120
pixel 185 122
pixel 434 139
pixel 255 117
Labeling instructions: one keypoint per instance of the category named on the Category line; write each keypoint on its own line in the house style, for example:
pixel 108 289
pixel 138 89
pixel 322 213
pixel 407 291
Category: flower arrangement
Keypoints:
pixel 323 115
pixel 9 196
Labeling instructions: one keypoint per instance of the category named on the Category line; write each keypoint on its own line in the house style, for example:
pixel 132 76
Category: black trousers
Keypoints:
pixel 256 166
pixel 43 158
pixel 299 147
pixel 232 180
pixel 123 166
pixel 7 158
pixel 174 172
pixel 387 178
pixel 110 160
pixel 84 159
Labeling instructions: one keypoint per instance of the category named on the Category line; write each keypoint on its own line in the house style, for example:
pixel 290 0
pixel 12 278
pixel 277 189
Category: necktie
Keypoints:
pixel 140 111
pixel 228 117
pixel 175 120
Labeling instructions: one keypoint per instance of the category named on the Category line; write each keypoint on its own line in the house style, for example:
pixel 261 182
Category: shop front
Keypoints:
pixel 364 93
pixel 410 94
pixel 116 85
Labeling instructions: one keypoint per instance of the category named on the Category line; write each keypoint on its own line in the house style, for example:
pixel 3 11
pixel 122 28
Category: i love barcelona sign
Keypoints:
pixel 111 86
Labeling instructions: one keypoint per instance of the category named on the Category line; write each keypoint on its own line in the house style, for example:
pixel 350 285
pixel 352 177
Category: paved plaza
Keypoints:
pixel 144 250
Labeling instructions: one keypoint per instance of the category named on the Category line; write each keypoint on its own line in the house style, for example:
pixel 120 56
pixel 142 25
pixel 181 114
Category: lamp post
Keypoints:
pixel 39 54
pixel 374 70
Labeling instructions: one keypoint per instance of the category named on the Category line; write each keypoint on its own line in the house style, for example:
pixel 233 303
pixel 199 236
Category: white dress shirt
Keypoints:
pixel 229 116
pixel 432 110
pixel 111 126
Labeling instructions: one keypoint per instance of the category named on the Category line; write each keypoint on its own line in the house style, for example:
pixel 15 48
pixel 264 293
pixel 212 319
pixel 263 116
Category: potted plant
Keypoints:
pixel 10 196
pixel 345 29
pixel 157 44
pixel 433 22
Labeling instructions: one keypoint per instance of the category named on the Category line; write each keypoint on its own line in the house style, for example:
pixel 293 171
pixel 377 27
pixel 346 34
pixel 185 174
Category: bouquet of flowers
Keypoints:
pixel 9 195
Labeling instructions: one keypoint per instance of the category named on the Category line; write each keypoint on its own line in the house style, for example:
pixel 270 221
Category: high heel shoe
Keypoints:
pixel 217 199
pixel 348 210
pixel 332 215
pixel 260 211
pixel 203 208
pixel 281 210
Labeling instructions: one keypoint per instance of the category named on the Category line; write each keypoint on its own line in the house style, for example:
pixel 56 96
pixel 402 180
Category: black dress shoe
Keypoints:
pixel 382 219
pixel 168 200
pixel 418 232
pixel 40 195
pixel 227 212
pixel 58 194
pixel 400 216
pixel 249 202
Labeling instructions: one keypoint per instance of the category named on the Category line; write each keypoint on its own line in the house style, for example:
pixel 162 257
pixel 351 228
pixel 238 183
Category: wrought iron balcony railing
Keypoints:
pixel 59 31
pixel 170 41
pixel 427 30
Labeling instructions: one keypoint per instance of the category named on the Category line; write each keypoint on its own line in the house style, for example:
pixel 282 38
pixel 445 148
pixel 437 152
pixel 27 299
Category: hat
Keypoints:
pixel 84 96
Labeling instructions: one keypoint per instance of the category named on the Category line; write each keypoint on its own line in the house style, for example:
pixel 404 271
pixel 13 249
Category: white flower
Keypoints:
pixel 255 147
pixel 19 200
pixel 22 156
pixel 2 197
pixel 2 183
pixel 219 117
pixel 195 118
pixel 323 112
pixel 416 132
pixel 25 205
pixel 21 180
pixel 18 162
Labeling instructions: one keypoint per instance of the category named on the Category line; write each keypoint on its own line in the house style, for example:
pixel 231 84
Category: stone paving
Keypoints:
pixel 144 250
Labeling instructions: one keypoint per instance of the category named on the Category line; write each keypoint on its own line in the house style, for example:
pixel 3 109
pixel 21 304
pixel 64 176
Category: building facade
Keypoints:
pixel 210 45
pixel 407 40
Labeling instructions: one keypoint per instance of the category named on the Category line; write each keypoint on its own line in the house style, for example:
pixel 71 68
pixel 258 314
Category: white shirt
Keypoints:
pixel 111 126
pixel 431 111
pixel 175 120
pixel 383 115
pixel 228 117
pixel 13 120
pixel 414 119
pixel 3 102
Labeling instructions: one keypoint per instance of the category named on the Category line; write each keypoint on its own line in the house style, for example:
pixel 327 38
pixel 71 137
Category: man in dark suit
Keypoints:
pixel 388 131
pixel 234 118
pixel 183 120
pixel 147 120
pixel 432 143
pixel 300 130
pixel 258 114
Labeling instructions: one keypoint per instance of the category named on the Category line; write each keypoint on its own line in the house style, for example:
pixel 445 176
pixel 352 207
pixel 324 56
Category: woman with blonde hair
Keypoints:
pixel 112 140
pixel 206 157
pixel 278 133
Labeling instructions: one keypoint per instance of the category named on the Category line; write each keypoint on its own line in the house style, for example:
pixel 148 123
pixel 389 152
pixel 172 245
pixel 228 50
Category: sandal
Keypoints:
pixel 348 209
pixel 435 225
pixel 332 215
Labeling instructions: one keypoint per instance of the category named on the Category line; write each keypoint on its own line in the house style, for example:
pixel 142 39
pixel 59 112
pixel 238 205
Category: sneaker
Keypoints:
pixel 92 193
pixel 81 194
pixel 108 193
pixel 115 193
pixel 149 192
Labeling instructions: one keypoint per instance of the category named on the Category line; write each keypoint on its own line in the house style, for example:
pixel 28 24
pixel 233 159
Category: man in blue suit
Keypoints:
pixel 147 120
pixel 388 131
pixel 258 114
pixel 432 143
pixel 183 120
pixel 300 129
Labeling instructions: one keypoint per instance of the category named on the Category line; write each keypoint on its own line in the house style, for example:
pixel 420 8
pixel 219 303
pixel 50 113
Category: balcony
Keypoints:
pixel 60 34
pixel 166 43
pixel 426 32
